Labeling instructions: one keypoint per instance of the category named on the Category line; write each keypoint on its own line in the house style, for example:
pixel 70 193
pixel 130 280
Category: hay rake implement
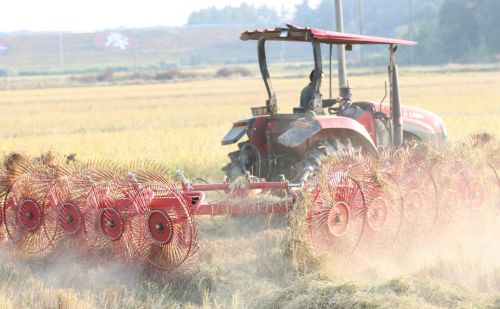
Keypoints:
pixel 143 217
pixel 351 165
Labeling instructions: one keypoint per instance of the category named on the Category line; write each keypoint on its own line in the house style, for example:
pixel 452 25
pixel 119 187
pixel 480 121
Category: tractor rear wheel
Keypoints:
pixel 243 160
pixel 315 156
pixel 247 159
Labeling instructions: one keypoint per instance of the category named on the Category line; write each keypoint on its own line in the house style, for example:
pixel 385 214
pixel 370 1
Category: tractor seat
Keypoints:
pixel 299 110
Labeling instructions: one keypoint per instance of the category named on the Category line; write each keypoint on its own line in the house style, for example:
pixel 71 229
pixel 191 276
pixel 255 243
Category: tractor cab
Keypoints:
pixel 278 140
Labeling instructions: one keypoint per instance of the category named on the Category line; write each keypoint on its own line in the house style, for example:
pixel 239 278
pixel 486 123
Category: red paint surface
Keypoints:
pixel 305 34
pixel 367 121
pixel 416 116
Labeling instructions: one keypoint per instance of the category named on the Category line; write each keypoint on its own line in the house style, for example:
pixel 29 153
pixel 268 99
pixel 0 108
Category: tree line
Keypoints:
pixel 462 30
pixel 447 30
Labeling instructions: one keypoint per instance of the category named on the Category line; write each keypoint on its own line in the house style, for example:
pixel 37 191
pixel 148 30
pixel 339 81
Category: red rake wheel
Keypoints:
pixel 29 215
pixel 69 218
pixel 471 190
pixel 338 219
pixel 167 235
pixel 421 203
pixel 329 217
pixel 379 234
pixel 160 226
pixel 68 196
pixel 349 164
pixel 474 194
pixel 111 223
pixel 496 177
pixel 384 215
pixel 449 206
pixel 107 215
pixel 376 215
pixel 28 224
pixel 414 206
pixel 495 192
pixel 337 215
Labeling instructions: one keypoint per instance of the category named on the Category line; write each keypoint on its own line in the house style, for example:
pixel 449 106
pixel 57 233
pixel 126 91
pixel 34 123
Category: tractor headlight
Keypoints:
pixel 445 131
pixel 441 128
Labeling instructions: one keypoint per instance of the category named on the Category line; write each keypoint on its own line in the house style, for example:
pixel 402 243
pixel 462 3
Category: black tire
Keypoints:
pixel 240 161
pixel 246 160
pixel 323 149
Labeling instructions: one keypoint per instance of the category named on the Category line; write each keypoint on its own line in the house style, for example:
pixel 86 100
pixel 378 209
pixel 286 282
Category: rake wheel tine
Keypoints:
pixel 148 166
pixel 401 205
pixel 168 236
pixel 102 170
pixel 436 198
pixel 68 197
pixel 494 172
pixel 469 188
pixel 335 217
pixel 27 222
pixel 108 213
pixel 152 176
pixel 364 212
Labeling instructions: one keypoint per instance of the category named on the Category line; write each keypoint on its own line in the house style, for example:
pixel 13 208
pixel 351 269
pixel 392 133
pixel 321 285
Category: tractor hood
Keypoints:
pixel 424 124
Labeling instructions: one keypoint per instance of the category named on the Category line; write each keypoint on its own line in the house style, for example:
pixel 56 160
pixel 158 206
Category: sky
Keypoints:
pixel 90 15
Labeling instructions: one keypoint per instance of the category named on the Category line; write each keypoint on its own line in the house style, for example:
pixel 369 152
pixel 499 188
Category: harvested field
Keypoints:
pixel 174 123
pixel 180 125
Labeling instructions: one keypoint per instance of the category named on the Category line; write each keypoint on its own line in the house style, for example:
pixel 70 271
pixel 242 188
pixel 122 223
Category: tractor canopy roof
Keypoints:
pixel 305 34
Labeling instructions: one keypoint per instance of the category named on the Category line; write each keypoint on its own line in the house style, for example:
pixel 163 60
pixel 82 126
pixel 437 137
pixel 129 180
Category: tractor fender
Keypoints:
pixel 237 131
pixel 304 130
pixel 421 130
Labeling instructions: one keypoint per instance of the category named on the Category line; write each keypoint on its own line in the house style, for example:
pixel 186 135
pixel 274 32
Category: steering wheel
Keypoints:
pixel 343 105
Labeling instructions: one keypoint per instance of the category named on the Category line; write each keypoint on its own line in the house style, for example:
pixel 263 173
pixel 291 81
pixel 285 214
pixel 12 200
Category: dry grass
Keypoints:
pixel 181 125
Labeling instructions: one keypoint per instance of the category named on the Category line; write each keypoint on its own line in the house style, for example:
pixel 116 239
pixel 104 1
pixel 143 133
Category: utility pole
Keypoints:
pixel 410 30
pixel 61 49
pixel 135 49
pixel 361 16
pixel 341 48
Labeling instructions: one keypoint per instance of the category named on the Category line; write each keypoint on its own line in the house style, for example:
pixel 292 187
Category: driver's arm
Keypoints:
pixel 331 102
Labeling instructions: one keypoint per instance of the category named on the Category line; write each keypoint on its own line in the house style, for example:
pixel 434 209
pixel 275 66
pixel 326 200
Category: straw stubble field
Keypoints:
pixel 181 125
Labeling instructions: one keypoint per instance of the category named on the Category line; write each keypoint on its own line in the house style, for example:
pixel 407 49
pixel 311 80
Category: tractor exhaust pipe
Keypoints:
pixel 339 22
pixel 397 123
pixel 396 109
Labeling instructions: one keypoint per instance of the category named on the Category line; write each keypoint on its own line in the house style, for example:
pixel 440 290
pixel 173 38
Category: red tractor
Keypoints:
pixel 287 144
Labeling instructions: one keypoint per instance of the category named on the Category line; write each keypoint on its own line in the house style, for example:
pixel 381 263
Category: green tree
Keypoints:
pixel 489 23
pixel 458 29
pixel 381 17
pixel 428 50
pixel 304 14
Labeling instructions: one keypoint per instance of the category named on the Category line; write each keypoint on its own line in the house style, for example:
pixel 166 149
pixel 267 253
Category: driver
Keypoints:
pixel 307 94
